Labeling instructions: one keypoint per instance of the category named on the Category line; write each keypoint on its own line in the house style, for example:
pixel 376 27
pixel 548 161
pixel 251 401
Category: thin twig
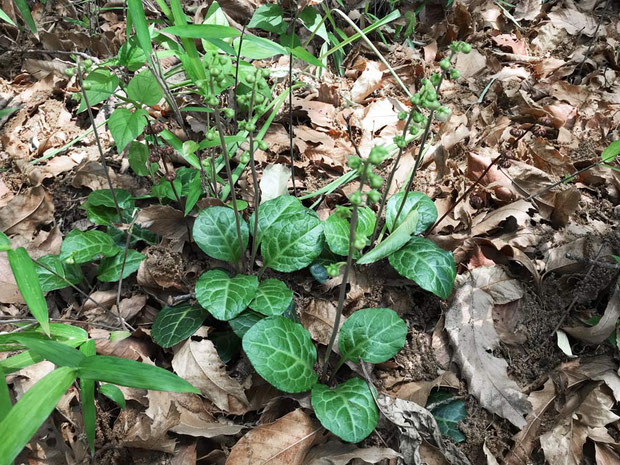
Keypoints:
pixel 563 180
pixel 291 135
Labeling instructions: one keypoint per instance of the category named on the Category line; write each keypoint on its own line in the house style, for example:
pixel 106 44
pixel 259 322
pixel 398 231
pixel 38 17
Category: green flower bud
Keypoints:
pixel 443 114
pixel 433 105
pixel 221 82
pixel 354 162
pixel 376 181
pixel 223 60
pixel 416 99
pixel 215 70
pixel 250 127
pixel 333 270
pixel 262 145
pixel 414 130
pixel 210 135
pixel 402 115
pixel 377 154
pixel 465 47
pixel 455 46
pixel 213 101
pixel 373 196
pixel 265 72
pixel 445 64
pixel 418 117
pixel 435 78
pixel 259 98
pixel 70 72
pixel 86 85
pixel 245 158
pixel 229 113
pixel 356 198
pixel 249 77
pixel 431 95
pixel 359 243
pixel 455 73
pixel 88 63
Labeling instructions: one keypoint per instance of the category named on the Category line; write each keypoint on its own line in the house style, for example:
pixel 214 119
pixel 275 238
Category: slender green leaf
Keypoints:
pixel 56 352
pixel 110 267
pixel 373 334
pixel 19 361
pixel 29 413
pixel 432 268
pixel 272 298
pixel 66 274
pixel 611 152
pixel 113 393
pixel 63 333
pixel 88 399
pixel 258 48
pixel 225 297
pixel 348 411
pixel 282 352
pixel 7 18
pixel 293 241
pixel 202 31
pixel 82 247
pixel 5 398
pixel 415 201
pixel 140 25
pixel 394 242
pixel 25 274
pixel 215 233
pixel 22 6
pixel 313 21
pixel 174 324
pixel 130 373
pixel 5 242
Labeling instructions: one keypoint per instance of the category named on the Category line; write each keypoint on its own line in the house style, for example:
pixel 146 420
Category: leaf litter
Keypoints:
pixel 540 90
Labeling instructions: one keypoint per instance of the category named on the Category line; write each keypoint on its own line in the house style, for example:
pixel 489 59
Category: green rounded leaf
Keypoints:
pixel 448 413
pixel 101 85
pixel 268 17
pixel 348 411
pixel 225 297
pixel 274 209
pixel 174 324
pixel 293 242
pixel 372 334
pixel 272 298
pixel 82 247
pixel 432 268
pixel 114 394
pixel 138 157
pixel 415 201
pixel 611 152
pixel 282 353
pixel 110 267
pixel 215 232
pixel 72 274
pixel 241 324
pixel 103 198
pixel 399 237
pixel 125 126
pixel 144 88
pixel 337 228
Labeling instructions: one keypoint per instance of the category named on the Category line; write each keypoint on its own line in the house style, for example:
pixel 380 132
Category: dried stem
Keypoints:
pixel 254 181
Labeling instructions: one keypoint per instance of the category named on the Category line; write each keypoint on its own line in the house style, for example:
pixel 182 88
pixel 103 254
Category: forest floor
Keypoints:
pixel 520 364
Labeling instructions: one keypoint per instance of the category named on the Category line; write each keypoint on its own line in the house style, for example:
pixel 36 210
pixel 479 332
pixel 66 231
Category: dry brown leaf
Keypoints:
pixel 527 10
pixel 518 210
pixel 138 430
pixel 318 318
pixel 198 363
pixel 338 453
pixel 284 442
pixel 25 212
pixel 165 221
pixel 573 21
pixel 369 81
pixel 601 330
pixel 494 179
pixel 470 65
pixel 418 391
pixel 469 323
pixel 9 293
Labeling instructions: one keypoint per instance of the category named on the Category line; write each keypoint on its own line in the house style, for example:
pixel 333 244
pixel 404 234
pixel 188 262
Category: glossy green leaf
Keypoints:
pixel 25 274
pixel 448 413
pixel 56 352
pixel 282 353
pixel 24 9
pixel 415 201
pixel 125 126
pixel 17 362
pixel 373 334
pixel 113 393
pixel 394 241
pixel 130 373
pixel 143 88
pixel 337 228
pixel 72 274
pixel 63 333
pixel 88 399
pixel 268 17
pixel 241 324
pixel 293 241
pixel 225 297
pixel 174 324
pixel 85 246
pixel 272 298
pixel 103 198
pixel 140 25
pixel 5 242
pixel 272 210
pixel 215 232
pixel 29 413
pixel 101 84
pixel 611 152
pixel 227 344
pixel 432 268
pixel 348 411
pixel 202 31
pixel 110 267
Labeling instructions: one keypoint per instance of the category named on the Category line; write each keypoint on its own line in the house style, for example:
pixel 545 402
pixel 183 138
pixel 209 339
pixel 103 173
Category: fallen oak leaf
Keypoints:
pixel 601 330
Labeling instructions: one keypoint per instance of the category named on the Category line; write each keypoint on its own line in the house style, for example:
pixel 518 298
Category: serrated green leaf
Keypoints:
pixel 272 298
pixel 114 394
pixel 215 232
pixel 130 373
pixel 241 324
pixel 110 267
pixel 82 247
pixel 174 324
pixel 432 268
pixel 72 274
pixel 225 297
pixel 373 334
pixel 611 152
pixel 272 210
pixel 144 88
pixel 337 228
pixel 282 353
pixel 292 242
pixel 25 274
pixel 202 31
pixel 268 17
pixel 401 235
pixel 101 84
pixel 125 126
pixel 448 415
pixel 415 201
pixel 348 411
pixel 34 407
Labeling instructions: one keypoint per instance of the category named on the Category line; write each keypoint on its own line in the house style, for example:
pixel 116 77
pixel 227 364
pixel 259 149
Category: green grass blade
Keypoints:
pixel 140 25
pixel 5 399
pixel 28 284
pixel 23 8
pixel 5 17
pixel 88 399
pixel 29 413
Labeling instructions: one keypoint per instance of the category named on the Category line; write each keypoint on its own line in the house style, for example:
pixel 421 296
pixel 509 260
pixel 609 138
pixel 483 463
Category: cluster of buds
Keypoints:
pixel 367 175
pixel 154 128
pixel 257 80
pixel 158 152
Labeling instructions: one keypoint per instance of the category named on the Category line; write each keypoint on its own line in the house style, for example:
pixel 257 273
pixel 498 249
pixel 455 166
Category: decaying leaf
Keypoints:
pixel 601 330
pixel 338 453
